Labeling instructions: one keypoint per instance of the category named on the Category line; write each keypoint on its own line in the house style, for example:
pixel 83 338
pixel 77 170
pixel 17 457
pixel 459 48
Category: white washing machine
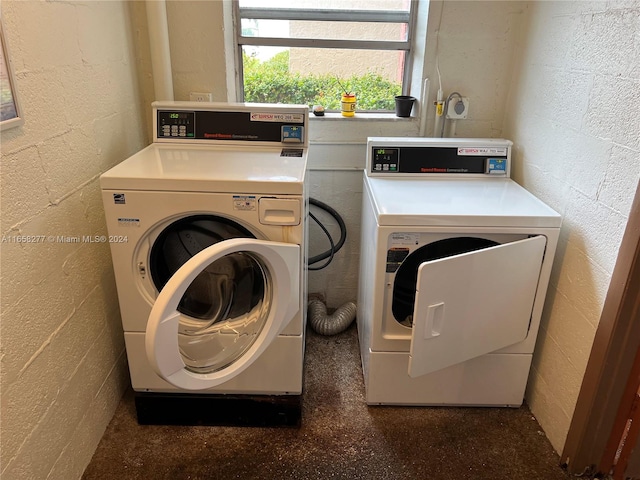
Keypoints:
pixel 207 231
pixel 454 267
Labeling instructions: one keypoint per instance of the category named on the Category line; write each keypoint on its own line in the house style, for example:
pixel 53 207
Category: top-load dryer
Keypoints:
pixel 208 241
pixel 454 267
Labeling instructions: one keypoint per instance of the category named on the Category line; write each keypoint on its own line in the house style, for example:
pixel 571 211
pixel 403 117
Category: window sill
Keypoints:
pixel 361 116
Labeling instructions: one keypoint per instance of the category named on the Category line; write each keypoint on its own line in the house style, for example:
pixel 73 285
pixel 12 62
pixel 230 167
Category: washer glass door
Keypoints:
pixel 221 307
pixel 209 295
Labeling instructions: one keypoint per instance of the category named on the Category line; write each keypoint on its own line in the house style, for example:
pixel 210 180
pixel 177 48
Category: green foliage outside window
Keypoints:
pixel 272 82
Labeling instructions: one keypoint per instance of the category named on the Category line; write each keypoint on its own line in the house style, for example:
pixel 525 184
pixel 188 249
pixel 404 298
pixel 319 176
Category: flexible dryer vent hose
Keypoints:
pixel 332 324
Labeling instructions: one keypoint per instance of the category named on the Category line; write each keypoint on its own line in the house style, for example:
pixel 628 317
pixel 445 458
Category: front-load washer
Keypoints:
pixel 207 234
pixel 455 262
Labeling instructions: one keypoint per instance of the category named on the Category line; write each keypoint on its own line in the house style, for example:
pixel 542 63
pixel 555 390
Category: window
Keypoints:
pixel 314 52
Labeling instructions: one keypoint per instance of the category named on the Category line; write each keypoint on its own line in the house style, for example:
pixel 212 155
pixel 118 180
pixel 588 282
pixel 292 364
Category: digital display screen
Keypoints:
pixel 175 118
pixel 385 155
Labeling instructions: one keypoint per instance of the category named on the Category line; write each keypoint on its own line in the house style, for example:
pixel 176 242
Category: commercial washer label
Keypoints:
pixel 244 202
pixel 480 151
pixel 277 117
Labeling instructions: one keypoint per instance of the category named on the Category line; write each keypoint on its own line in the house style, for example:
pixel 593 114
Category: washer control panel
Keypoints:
pixel 202 122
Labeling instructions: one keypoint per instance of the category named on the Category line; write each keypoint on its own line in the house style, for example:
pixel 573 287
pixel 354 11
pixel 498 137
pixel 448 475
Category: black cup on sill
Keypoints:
pixel 404 104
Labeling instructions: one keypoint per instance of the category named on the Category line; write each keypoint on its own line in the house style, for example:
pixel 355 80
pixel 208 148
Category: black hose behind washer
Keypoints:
pixel 334 247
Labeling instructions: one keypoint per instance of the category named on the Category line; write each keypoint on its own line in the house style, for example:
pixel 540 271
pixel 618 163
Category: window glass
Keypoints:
pixel 350 5
pixel 324 30
pixel 284 76
pixel 311 52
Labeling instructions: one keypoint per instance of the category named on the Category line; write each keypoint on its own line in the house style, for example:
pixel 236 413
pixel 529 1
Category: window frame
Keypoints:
pixel 329 15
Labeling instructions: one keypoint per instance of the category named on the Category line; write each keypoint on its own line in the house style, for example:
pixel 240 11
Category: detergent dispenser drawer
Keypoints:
pixel 279 211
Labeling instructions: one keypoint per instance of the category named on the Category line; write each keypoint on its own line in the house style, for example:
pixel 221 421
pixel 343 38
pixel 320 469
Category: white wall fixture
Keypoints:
pixel 200 97
pixel 458 108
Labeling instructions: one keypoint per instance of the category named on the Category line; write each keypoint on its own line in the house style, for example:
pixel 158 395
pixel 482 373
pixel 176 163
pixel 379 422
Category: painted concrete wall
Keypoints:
pixel 63 367
pixel 197 48
pixel 471 43
pixel 574 115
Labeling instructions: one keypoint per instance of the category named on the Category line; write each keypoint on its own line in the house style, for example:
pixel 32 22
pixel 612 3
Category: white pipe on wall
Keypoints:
pixel 160 52
pixel 424 107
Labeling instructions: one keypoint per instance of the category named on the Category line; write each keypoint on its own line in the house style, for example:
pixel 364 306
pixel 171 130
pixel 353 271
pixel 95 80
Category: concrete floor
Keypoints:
pixel 340 437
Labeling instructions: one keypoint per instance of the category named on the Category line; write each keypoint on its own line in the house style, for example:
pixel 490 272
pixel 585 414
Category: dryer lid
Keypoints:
pixel 469 202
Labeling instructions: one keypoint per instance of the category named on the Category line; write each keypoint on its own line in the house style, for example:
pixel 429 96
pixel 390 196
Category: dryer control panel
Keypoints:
pixel 388 156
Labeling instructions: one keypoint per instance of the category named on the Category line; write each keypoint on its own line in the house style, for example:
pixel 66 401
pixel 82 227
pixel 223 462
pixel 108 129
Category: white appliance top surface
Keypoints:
pixel 467 202
pixel 210 168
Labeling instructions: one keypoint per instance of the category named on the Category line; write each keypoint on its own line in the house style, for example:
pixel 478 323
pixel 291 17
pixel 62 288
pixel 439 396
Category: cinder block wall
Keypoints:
pixel 63 366
pixel 574 115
